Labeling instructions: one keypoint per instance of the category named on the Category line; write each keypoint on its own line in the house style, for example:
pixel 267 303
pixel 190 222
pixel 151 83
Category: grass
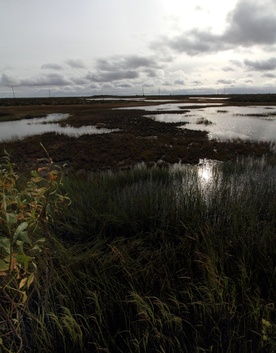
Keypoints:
pixel 161 260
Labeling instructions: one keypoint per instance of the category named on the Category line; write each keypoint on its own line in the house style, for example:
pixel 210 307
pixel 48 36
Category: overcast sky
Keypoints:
pixel 88 47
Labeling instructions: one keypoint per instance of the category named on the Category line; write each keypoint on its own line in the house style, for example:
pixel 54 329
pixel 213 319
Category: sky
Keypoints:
pixel 126 47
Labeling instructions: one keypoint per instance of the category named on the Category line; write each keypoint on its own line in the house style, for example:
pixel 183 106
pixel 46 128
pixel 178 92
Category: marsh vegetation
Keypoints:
pixel 165 260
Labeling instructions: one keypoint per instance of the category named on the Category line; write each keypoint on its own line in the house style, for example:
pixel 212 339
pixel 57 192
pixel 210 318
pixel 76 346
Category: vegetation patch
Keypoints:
pixel 169 260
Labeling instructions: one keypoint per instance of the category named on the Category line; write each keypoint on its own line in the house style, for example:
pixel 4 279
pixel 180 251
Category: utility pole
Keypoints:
pixel 13 92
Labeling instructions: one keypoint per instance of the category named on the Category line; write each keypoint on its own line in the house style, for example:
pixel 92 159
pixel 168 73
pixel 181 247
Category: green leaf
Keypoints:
pixel 4 266
pixel 24 236
pixel 20 245
pixel 20 229
pixel 11 218
pixel 30 279
pixel 24 260
pixel 5 244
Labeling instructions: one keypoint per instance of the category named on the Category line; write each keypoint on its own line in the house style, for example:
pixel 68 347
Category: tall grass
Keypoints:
pixel 161 260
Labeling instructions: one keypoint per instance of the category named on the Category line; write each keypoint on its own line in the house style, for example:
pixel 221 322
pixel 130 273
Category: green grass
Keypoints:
pixel 159 260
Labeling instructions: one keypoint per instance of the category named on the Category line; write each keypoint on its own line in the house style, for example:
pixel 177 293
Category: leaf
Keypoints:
pixel 20 245
pixel 24 297
pixel 24 236
pixel 24 260
pixel 23 282
pixel 13 262
pixel 11 218
pixel 5 244
pixel 4 266
pixel 20 229
pixel 30 280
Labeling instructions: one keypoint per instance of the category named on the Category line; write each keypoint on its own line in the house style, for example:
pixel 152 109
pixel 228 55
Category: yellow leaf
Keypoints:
pixel 22 282
pixel 24 297
pixel 30 280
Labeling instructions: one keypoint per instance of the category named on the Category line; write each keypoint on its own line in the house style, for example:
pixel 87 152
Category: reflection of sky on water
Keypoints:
pixel 204 178
pixel 28 127
pixel 169 106
pixel 229 122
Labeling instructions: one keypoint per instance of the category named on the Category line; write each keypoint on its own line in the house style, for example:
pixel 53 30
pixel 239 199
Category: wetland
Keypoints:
pixel 164 233
pixel 119 132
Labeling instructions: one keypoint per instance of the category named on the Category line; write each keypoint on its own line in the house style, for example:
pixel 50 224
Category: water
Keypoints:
pixel 223 122
pixel 169 106
pixel 13 130
pixel 246 123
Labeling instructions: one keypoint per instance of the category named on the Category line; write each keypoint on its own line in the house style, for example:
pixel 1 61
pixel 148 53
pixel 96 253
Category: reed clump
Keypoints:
pixel 178 259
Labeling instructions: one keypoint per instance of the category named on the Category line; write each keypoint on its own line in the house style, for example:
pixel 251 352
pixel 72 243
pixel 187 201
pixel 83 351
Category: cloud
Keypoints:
pixel 252 23
pixel 264 65
pixel 179 82
pixel 130 62
pixel 228 68
pixel 120 68
pixel 112 76
pixel 269 75
pixel 249 24
pixel 124 85
pixel 79 80
pixel 197 82
pixel 51 66
pixel 167 83
pixel 76 63
pixel 9 80
pixel 225 82
pixel 46 80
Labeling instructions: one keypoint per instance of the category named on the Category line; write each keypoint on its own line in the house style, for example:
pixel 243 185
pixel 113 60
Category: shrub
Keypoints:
pixel 25 212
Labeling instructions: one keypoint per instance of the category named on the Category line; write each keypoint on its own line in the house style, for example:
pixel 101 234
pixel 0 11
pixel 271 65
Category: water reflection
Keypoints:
pixel 169 106
pixel 246 123
pixel 14 130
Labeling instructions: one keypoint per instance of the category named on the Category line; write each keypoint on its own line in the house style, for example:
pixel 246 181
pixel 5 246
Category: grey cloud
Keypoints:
pixel 76 63
pixel 250 23
pixel 51 66
pixel 179 82
pixel 94 86
pixel 125 67
pixel 41 80
pixel 196 82
pixel 269 75
pixel 124 85
pixel 127 63
pixel 46 80
pixel 167 83
pixel 264 65
pixel 107 86
pixel 79 80
pixel 9 80
pixel 194 42
pixel 227 68
pixel 225 82
pixel 112 76
pixel 151 73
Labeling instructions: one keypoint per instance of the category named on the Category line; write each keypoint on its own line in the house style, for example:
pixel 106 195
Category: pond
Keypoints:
pixel 19 129
pixel 256 123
